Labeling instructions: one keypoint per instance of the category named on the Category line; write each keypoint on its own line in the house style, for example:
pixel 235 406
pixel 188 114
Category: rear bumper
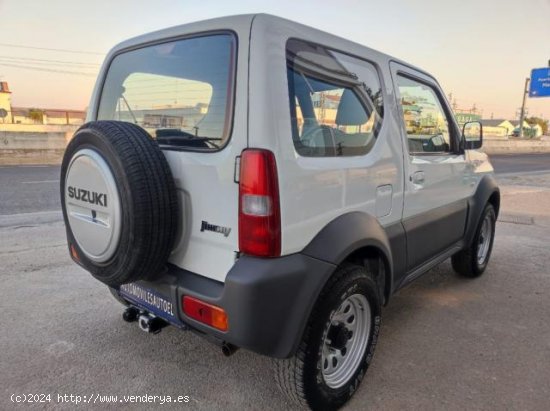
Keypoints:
pixel 267 301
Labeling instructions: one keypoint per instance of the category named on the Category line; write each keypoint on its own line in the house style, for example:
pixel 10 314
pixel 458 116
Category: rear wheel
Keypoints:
pixel 472 261
pixel 338 343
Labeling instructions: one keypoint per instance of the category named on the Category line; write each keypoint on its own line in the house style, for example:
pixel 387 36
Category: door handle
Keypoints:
pixel 418 178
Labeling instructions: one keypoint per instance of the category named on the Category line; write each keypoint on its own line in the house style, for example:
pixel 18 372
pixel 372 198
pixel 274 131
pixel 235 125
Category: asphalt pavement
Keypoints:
pixel 28 189
pixel 520 163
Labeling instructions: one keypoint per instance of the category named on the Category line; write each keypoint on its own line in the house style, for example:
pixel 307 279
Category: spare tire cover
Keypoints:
pixel 119 202
pixel 93 212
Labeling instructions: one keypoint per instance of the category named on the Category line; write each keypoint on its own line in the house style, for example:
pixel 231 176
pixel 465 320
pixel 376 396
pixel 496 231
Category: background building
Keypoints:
pixel 33 115
pixel 465 116
pixel 5 101
pixel 529 130
pixel 497 127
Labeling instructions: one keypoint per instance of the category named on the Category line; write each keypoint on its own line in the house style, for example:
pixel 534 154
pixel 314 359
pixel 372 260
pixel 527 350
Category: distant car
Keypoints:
pixel 281 201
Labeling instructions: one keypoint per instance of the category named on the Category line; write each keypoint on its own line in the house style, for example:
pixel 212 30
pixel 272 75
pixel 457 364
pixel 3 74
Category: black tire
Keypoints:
pixel 148 200
pixel 466 262
pixel 301 377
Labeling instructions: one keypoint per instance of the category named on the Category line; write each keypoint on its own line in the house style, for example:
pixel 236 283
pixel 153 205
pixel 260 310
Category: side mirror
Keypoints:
pixel 472 135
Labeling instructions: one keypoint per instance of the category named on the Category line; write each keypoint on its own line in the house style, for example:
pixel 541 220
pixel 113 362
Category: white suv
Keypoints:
pixel 270 186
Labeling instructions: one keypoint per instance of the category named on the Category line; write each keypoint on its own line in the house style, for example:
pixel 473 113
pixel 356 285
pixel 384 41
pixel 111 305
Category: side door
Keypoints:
pixel 436 184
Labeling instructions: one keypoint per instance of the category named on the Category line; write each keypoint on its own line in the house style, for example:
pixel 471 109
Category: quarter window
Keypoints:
pixel 336 103
pixel 426 124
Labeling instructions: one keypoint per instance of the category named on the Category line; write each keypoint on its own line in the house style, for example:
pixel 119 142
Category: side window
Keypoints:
pixel 335 101
pixel 427 126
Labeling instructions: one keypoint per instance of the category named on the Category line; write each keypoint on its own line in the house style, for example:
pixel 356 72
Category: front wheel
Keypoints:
pixel 338 343
pixel 472 261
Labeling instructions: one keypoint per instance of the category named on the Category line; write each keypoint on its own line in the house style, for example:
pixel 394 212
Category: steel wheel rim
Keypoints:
pixel 342 352
pixel 484 241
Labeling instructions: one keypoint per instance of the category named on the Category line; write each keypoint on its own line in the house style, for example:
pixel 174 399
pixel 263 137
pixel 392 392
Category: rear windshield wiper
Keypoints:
pixel 178 137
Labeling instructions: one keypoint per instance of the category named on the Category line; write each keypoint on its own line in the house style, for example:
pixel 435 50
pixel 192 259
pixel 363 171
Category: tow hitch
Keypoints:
pixel 146 321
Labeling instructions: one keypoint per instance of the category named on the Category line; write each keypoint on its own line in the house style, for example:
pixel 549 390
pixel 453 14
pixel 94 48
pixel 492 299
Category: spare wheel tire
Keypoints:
pixel 119 202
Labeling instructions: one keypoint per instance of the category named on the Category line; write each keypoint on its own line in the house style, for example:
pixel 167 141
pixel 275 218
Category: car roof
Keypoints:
pixel 244 22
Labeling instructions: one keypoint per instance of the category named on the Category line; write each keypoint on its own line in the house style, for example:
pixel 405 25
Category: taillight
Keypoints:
pixel 205 313
pixel 259 211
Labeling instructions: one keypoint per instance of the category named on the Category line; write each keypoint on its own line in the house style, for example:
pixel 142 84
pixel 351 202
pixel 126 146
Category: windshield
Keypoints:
pixel 181 92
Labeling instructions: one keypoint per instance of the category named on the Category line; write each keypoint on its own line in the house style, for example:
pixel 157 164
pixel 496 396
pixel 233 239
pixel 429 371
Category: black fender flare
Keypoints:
pixel 348 233
pixel 486 189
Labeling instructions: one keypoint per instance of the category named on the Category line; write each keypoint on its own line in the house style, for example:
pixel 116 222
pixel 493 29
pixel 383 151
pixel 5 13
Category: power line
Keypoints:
pixel 50 65
pixel 79 73
pixel 46 61
pixel 51 49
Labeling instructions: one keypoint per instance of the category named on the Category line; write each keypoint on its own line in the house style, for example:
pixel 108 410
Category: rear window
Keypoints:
pixel 181 92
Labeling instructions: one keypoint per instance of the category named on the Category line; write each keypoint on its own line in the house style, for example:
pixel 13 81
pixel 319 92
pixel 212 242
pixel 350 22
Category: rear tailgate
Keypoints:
pixel 191 94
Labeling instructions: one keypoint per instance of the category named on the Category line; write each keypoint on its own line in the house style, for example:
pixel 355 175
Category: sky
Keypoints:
pixel 481 51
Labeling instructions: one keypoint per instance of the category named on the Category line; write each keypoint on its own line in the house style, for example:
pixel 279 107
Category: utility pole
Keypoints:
pixel 522 112
pixel 322 106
